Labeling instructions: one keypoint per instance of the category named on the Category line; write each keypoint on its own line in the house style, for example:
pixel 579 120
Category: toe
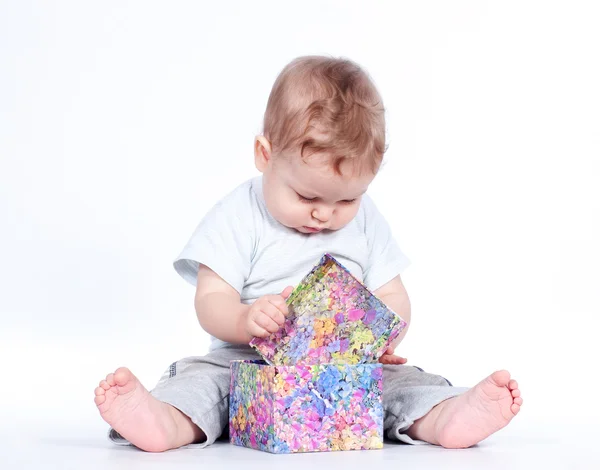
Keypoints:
pixel 518 401
pixel 122 375
pixel 501 378
pixel 98 400
pixel 515 408
pixel 104 384
pixel 512 385
pixel 99 391
pixel 110 379
pixel 516 393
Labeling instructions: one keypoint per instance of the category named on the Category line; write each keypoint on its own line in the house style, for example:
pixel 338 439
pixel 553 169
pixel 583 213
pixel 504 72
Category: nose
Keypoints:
pixel 322 213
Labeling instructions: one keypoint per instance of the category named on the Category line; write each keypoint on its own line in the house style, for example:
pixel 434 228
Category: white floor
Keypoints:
pixel 517 448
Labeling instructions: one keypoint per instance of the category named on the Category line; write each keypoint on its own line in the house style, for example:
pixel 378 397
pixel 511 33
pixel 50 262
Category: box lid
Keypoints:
pixel 333 318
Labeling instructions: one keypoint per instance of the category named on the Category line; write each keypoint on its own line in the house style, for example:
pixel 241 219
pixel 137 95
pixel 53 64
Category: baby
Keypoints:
pixel 322 145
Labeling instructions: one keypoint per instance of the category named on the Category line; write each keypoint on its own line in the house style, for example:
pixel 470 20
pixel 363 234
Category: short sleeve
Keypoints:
pixel 385 259
pixel 223 241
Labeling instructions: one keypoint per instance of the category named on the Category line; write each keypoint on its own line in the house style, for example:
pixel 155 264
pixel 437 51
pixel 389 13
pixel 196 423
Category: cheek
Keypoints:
pixel 288 210
pixel 345 214
pixel 298 213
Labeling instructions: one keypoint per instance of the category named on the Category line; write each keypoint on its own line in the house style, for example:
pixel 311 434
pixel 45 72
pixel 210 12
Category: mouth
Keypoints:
pixel 312 229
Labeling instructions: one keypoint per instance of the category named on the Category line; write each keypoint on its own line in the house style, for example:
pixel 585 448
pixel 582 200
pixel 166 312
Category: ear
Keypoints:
pixel 262 152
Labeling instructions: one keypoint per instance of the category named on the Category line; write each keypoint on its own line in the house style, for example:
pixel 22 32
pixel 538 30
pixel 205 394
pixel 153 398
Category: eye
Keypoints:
pixel 306 199
pixel 348 201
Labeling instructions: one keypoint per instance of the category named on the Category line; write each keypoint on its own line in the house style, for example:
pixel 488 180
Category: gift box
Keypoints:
pixel 333 318
pixel 319 386
pixel 306 408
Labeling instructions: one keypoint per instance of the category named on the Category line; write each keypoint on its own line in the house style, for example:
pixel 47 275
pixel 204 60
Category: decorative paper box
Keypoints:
pixel 319 387
pixel 306 408
pixel 332 318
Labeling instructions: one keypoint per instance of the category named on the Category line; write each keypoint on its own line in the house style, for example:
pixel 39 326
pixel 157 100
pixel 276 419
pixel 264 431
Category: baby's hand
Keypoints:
pixel 267 314
pixel 390 358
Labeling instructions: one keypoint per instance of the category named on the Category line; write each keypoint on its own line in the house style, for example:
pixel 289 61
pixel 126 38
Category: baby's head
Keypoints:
pixel 322 144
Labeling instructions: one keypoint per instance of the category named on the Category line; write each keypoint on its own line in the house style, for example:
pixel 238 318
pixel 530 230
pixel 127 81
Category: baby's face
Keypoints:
pixel 310 196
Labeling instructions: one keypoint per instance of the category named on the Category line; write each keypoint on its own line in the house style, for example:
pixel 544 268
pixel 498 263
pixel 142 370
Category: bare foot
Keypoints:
pixel 469 418
pixel 140 418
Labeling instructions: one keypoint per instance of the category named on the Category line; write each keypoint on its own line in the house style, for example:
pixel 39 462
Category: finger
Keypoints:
pixel 384 359
pixel 276 316
pixel 278 302
pixel 257 332
pixel 392 359
pixel 287 292
pixel 263 320
pixel 254 328
pixel 274 313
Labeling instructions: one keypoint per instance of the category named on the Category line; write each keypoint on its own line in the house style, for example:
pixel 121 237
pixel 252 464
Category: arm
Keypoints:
pixel 222 314
pixel 219 309
pixel 394 295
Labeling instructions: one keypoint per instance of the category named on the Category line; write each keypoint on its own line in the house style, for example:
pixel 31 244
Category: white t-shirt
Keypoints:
pixel 240 241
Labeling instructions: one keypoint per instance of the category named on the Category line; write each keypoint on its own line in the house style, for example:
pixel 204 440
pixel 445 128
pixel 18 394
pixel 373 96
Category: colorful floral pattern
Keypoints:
pixel 333 318
pixel 306 408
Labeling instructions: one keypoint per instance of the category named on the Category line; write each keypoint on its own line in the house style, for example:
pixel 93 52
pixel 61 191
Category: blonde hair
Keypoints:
pixel 327 105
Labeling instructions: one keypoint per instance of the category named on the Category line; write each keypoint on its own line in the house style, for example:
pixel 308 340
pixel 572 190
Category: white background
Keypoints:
pixel 121 123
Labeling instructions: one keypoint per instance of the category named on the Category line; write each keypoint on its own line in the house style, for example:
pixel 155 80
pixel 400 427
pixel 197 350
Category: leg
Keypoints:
pixel 409 394
pixel 189 405
pixel 467 419
pixel 140 418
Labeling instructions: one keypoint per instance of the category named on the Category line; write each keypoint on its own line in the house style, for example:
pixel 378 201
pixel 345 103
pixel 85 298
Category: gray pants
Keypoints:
pixel 199 388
